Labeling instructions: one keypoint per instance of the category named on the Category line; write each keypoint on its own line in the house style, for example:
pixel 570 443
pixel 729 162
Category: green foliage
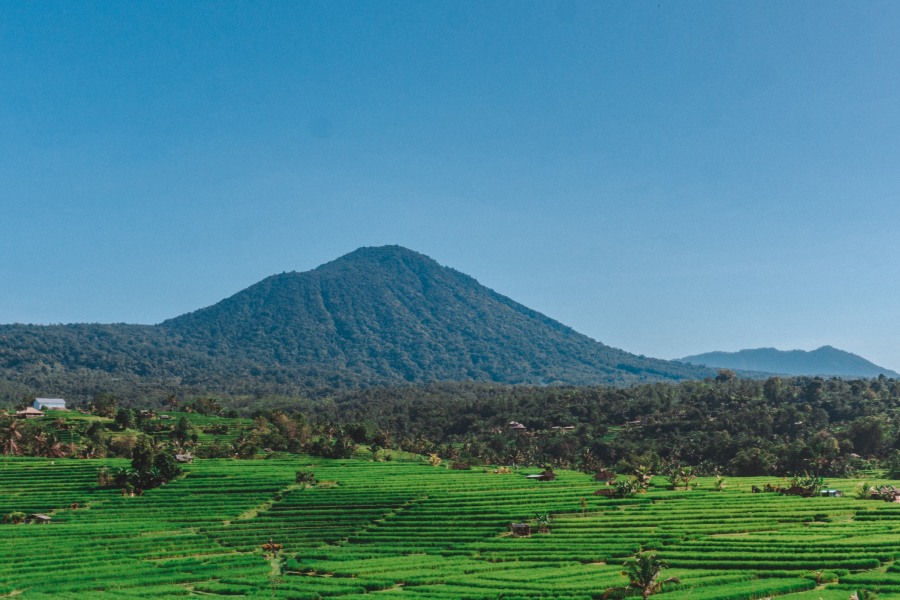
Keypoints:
pixel 679 475
pixel 643 573
pixel 627 488
pixel 810 484
pixel 305 477
pixel 125 418
pixel 542 522
pixel 14 518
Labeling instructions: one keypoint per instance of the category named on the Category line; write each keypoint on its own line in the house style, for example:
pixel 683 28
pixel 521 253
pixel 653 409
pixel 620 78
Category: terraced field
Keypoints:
pixel 407 529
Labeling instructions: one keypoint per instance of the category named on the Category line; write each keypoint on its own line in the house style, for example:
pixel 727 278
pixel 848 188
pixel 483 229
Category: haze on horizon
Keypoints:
pixel 667 178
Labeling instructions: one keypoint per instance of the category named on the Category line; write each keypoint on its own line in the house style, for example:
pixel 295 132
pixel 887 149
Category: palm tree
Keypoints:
pixel 12 435
pixel 643 573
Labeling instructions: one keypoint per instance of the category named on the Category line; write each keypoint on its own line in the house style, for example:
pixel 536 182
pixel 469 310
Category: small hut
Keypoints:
pixel 520 529
pixel 184 458
pixel 29 413
pixel 545 475
pixel 39 518
pixel 604 475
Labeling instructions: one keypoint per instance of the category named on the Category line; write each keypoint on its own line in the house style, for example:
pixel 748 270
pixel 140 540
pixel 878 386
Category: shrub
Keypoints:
pixel 14 518
pixel 305 477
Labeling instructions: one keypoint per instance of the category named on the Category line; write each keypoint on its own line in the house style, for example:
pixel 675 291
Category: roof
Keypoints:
pixel 29 411
pixel 49 403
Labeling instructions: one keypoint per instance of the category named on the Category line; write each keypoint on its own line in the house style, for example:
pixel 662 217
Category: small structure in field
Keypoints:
pixel 39 518
pixel 29 412
pixel 833 493
pixel 545 475
pixel 515 426
pixel 520 529
pixel 49 404
pixel 604 475
pixel 184 458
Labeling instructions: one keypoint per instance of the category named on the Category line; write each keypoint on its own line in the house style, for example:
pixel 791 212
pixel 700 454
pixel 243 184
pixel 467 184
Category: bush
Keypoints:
pixel 305 477
pixel 14 518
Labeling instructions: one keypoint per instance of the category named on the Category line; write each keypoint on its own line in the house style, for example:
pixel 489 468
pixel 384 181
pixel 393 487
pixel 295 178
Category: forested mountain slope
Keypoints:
pixel 391 314
pixel 376 316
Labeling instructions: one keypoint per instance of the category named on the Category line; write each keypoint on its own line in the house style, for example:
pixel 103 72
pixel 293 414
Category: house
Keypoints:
pixel 29 413
pixel 516 426
pixel 184 458
pixel 49 404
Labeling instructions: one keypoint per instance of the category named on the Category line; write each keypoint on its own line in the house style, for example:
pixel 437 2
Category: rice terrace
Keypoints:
pixel 298 526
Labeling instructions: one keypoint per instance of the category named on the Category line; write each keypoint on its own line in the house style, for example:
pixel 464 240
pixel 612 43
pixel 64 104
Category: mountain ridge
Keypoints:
pixel 377 316
pixel 825 360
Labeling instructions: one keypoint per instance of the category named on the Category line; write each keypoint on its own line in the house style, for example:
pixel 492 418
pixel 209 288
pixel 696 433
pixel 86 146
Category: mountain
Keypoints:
pixel 392 314
pixel 825 361
pixel 377 316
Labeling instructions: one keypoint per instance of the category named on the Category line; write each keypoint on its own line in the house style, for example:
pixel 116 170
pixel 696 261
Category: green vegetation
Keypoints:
pixel 724 426
pixel 246 528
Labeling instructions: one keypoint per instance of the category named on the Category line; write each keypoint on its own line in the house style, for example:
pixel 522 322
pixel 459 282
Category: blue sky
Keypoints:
pixel 667 177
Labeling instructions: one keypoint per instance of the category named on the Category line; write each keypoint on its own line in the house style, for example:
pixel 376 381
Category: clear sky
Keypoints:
pixel 666 177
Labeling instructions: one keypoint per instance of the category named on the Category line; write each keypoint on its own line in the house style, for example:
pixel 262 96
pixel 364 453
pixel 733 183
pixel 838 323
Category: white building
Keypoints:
pixel 49 403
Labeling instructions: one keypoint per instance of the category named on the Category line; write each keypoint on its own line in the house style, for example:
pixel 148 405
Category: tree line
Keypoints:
pixel 727 425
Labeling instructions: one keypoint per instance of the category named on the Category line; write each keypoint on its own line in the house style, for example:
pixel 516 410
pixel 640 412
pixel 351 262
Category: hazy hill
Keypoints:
pixel 382 315
pixel 822 361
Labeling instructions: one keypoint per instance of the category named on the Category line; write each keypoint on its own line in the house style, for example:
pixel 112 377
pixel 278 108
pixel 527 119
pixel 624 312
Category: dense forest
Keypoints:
pixel 727 425
pixel 739 426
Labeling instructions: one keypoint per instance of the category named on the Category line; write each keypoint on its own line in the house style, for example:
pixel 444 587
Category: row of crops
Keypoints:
pixel 409 529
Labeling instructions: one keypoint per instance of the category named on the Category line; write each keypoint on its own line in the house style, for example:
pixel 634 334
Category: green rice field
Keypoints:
pixel 406 529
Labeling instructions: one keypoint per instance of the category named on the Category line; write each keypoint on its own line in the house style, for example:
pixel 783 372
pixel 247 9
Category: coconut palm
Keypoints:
pixel 643 573
pixel 11 437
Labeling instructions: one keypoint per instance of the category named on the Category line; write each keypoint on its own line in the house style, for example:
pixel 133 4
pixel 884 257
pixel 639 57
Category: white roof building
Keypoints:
pixel 49 403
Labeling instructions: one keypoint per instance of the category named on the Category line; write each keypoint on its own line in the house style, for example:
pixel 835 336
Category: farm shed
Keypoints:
pixel 833 493
pixel 604 475
pixel 184 458
pixel 520 529
pixel 29 413
pixel 49 404
pixel 546 475
pixel 39 518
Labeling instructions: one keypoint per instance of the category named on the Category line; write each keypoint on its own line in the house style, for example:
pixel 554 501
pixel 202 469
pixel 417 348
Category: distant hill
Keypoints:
pixel 376 316
pixel 826 361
